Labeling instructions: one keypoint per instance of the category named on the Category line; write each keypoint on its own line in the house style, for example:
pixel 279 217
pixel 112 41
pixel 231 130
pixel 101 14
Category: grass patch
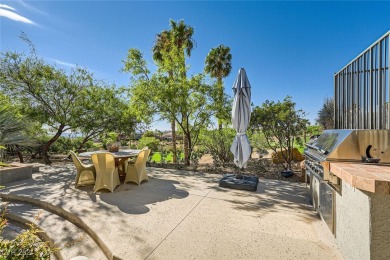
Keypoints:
pixel 169 157
pixel 156 157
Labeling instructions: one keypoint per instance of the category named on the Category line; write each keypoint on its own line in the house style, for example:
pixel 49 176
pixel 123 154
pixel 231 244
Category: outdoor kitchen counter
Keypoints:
pixel 368 177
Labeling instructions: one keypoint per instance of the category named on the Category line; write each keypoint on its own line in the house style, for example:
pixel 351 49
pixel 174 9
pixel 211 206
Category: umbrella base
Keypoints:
pixel 245 183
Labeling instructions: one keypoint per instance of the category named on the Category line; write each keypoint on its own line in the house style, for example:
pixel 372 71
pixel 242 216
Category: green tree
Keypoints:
pixel 312 130
pixel 13 134
pixel 151 142
pixel 281 124
pixel 219 65
pixel 326 114
pixel 217 143
pixel 186 100
pixel 105 111
pixel 179 36
pixel 148 134
pixel 47 95
pixel 17 132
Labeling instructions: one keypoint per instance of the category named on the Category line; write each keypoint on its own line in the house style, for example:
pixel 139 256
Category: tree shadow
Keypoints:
pixel 133 199
pixel 271 196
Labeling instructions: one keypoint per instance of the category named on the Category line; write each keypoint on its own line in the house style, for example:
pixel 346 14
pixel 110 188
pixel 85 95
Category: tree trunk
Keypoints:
pixel 85 140
pixel 189 148
pixel 173 129
pixel 46 146
pixel 220 99
pixel 186 153
pixel 19 154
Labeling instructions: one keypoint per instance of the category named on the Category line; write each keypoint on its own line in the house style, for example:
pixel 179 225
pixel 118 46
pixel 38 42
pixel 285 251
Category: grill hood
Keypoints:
pixel 352 145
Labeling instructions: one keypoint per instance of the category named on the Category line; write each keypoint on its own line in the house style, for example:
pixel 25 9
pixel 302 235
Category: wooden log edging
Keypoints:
pixel 64 214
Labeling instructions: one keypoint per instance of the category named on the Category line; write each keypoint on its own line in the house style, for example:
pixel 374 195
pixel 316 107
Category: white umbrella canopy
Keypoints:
pixel 241 115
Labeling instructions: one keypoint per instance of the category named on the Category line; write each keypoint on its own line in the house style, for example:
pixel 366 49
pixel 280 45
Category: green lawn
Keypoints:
pixel 169 157
pixel 157 157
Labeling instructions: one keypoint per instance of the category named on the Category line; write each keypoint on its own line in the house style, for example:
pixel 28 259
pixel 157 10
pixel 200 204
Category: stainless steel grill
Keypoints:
pixel 360 146
pixel 346 145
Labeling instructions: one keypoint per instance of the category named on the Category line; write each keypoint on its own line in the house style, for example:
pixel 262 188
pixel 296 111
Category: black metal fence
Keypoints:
pixel 361 89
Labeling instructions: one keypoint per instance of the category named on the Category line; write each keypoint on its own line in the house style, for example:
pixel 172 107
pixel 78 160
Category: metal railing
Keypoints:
pixel 361 89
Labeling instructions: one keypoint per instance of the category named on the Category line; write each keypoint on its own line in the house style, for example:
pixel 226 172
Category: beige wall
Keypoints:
pixel 362 224
pixel 353 223
pixel 380 226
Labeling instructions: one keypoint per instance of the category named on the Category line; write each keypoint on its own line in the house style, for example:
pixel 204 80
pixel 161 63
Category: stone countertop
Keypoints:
pixel 369 177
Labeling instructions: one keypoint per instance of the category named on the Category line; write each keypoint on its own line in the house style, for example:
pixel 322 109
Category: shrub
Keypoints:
pixel 150 142
pixel 64 144
pixel 156 157
pixel 148 134
pixel 218 143
pixel 257 140
pixel 26 245
pixel 195 157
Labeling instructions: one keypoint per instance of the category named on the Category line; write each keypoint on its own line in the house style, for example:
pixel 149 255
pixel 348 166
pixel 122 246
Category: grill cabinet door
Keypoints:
pixel 326 209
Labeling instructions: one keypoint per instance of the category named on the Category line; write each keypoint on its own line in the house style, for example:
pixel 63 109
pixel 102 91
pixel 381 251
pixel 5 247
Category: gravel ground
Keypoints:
pixel 261 167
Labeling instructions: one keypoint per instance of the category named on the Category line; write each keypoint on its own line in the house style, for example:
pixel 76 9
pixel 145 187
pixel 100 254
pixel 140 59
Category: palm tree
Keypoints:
pixel 180 35
pixel 326 114
pixel 219 65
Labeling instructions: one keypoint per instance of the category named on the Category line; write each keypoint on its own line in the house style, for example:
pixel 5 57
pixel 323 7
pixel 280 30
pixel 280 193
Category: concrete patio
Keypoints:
pixel 180 215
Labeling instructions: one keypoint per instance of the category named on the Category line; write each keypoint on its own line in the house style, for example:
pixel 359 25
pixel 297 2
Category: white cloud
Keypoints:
pixel 30 7
pixel 7 7
pixel 63 63
pixel 14 16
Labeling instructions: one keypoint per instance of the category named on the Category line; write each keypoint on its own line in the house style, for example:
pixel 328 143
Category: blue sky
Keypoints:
pixel 287 48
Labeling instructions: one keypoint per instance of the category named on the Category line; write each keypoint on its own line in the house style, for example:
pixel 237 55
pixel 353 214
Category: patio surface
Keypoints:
pixel 184 215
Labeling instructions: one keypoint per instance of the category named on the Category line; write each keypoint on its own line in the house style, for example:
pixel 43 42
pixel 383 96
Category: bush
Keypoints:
pixel 218 143
pixel 156 157
pixel 150 142
pixel 64 144
pixel 26 245
pixel 195 157
pixel 148 134
pixel 257 140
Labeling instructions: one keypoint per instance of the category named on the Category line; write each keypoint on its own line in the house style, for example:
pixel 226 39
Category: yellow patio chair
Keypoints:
pixel 106 173
pixel 137 172
pixel 85 172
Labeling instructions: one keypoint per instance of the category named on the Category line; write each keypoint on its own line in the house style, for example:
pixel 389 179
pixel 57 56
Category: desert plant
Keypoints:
pixel 257 140
pixel 26 245
pixel 281 124
pixel 326 114
pixel 195 157
pixel 150 142
pixel 148 134
pixel 13 131
pixel 218 143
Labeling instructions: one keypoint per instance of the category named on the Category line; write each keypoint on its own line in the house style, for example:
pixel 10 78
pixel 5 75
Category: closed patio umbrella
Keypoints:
pixel 241 114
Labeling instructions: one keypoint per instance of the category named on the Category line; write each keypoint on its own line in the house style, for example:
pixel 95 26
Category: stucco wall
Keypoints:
pixel 353 223
pixel 380 225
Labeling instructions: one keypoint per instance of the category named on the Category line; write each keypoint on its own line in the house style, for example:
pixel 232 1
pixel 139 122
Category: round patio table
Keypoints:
pixel 120 158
